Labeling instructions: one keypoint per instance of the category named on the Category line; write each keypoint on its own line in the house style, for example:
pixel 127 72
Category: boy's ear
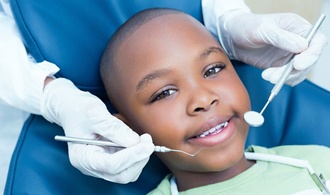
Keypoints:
pixel 121 117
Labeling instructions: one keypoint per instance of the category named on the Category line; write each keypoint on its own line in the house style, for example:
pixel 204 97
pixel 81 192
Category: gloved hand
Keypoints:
pixel 83 115
pixel 269 40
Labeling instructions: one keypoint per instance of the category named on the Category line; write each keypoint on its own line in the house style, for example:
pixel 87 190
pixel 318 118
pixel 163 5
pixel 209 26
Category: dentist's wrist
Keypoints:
pixel 48 80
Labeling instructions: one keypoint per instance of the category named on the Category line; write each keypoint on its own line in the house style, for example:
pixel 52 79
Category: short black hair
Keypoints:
pixel 108 61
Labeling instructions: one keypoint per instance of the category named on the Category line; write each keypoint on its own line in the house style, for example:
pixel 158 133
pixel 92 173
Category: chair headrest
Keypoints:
pixel 73 34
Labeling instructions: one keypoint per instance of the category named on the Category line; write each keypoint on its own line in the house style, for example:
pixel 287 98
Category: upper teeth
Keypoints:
pixel 222 125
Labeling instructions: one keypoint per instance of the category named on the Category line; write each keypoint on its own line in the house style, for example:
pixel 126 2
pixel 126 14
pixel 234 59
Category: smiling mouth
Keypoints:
pixel 213 131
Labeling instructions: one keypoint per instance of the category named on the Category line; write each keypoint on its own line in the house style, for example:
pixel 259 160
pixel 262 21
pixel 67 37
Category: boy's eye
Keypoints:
pixel 163 94
pixel 214 69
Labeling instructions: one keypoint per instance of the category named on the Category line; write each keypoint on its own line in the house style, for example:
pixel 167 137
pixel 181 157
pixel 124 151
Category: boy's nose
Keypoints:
pixel 202 100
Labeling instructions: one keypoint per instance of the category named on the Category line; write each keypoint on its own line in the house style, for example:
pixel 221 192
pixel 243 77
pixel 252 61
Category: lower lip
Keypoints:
pixel 215 139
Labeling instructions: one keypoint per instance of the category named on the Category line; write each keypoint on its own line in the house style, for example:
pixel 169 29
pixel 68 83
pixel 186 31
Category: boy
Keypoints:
pixel 168 77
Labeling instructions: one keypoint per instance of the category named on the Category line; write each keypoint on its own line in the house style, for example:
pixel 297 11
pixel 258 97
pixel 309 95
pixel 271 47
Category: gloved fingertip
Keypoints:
pixel 267 75
pixel 146 138
pixel 301 62
pixel 146 141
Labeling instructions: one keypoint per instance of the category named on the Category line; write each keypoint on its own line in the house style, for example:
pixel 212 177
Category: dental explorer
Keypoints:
pixel 256 119
pixel 162 149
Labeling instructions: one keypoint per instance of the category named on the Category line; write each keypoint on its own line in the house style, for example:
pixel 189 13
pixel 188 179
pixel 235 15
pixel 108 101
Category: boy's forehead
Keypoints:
pixel 171 24
pixel 170 20
pixel 161 35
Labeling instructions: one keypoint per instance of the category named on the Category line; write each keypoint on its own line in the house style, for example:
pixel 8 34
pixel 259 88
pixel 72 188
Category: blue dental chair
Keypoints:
pixel 73 35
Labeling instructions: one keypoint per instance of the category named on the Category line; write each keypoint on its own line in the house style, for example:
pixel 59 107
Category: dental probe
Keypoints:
pixel 162 149
pixel 256 119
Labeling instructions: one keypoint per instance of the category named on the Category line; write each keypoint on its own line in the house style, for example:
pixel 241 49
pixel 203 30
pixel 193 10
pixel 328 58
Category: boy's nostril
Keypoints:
pixel 199 109
pixel 214 101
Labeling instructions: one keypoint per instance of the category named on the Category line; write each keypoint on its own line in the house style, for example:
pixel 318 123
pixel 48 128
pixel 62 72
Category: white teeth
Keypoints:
pixel 222 125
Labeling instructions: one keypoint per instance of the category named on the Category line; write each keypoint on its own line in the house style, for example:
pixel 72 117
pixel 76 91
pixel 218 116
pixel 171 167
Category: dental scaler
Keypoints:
pixel 256 119
pixel 161 149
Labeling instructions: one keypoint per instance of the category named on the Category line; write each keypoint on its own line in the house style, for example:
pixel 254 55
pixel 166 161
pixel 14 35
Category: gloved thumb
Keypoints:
pixel 146 138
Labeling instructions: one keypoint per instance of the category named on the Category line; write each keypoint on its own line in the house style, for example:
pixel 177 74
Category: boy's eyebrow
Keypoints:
pixel 151 76
pixel 210 50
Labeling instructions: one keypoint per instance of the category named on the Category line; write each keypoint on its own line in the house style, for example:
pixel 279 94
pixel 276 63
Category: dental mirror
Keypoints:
pixel 256 119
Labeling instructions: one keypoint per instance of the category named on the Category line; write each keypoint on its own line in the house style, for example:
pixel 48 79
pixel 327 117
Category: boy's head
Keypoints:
pixel 168 76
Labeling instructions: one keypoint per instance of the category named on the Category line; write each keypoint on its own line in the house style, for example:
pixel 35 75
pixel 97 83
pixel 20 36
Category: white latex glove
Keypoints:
pixel 268 40
pixel 83 115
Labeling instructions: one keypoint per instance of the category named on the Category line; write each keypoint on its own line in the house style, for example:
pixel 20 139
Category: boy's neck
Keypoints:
pixel 189 180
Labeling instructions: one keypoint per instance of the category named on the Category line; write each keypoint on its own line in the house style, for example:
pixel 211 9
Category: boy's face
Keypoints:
pixel 179 86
